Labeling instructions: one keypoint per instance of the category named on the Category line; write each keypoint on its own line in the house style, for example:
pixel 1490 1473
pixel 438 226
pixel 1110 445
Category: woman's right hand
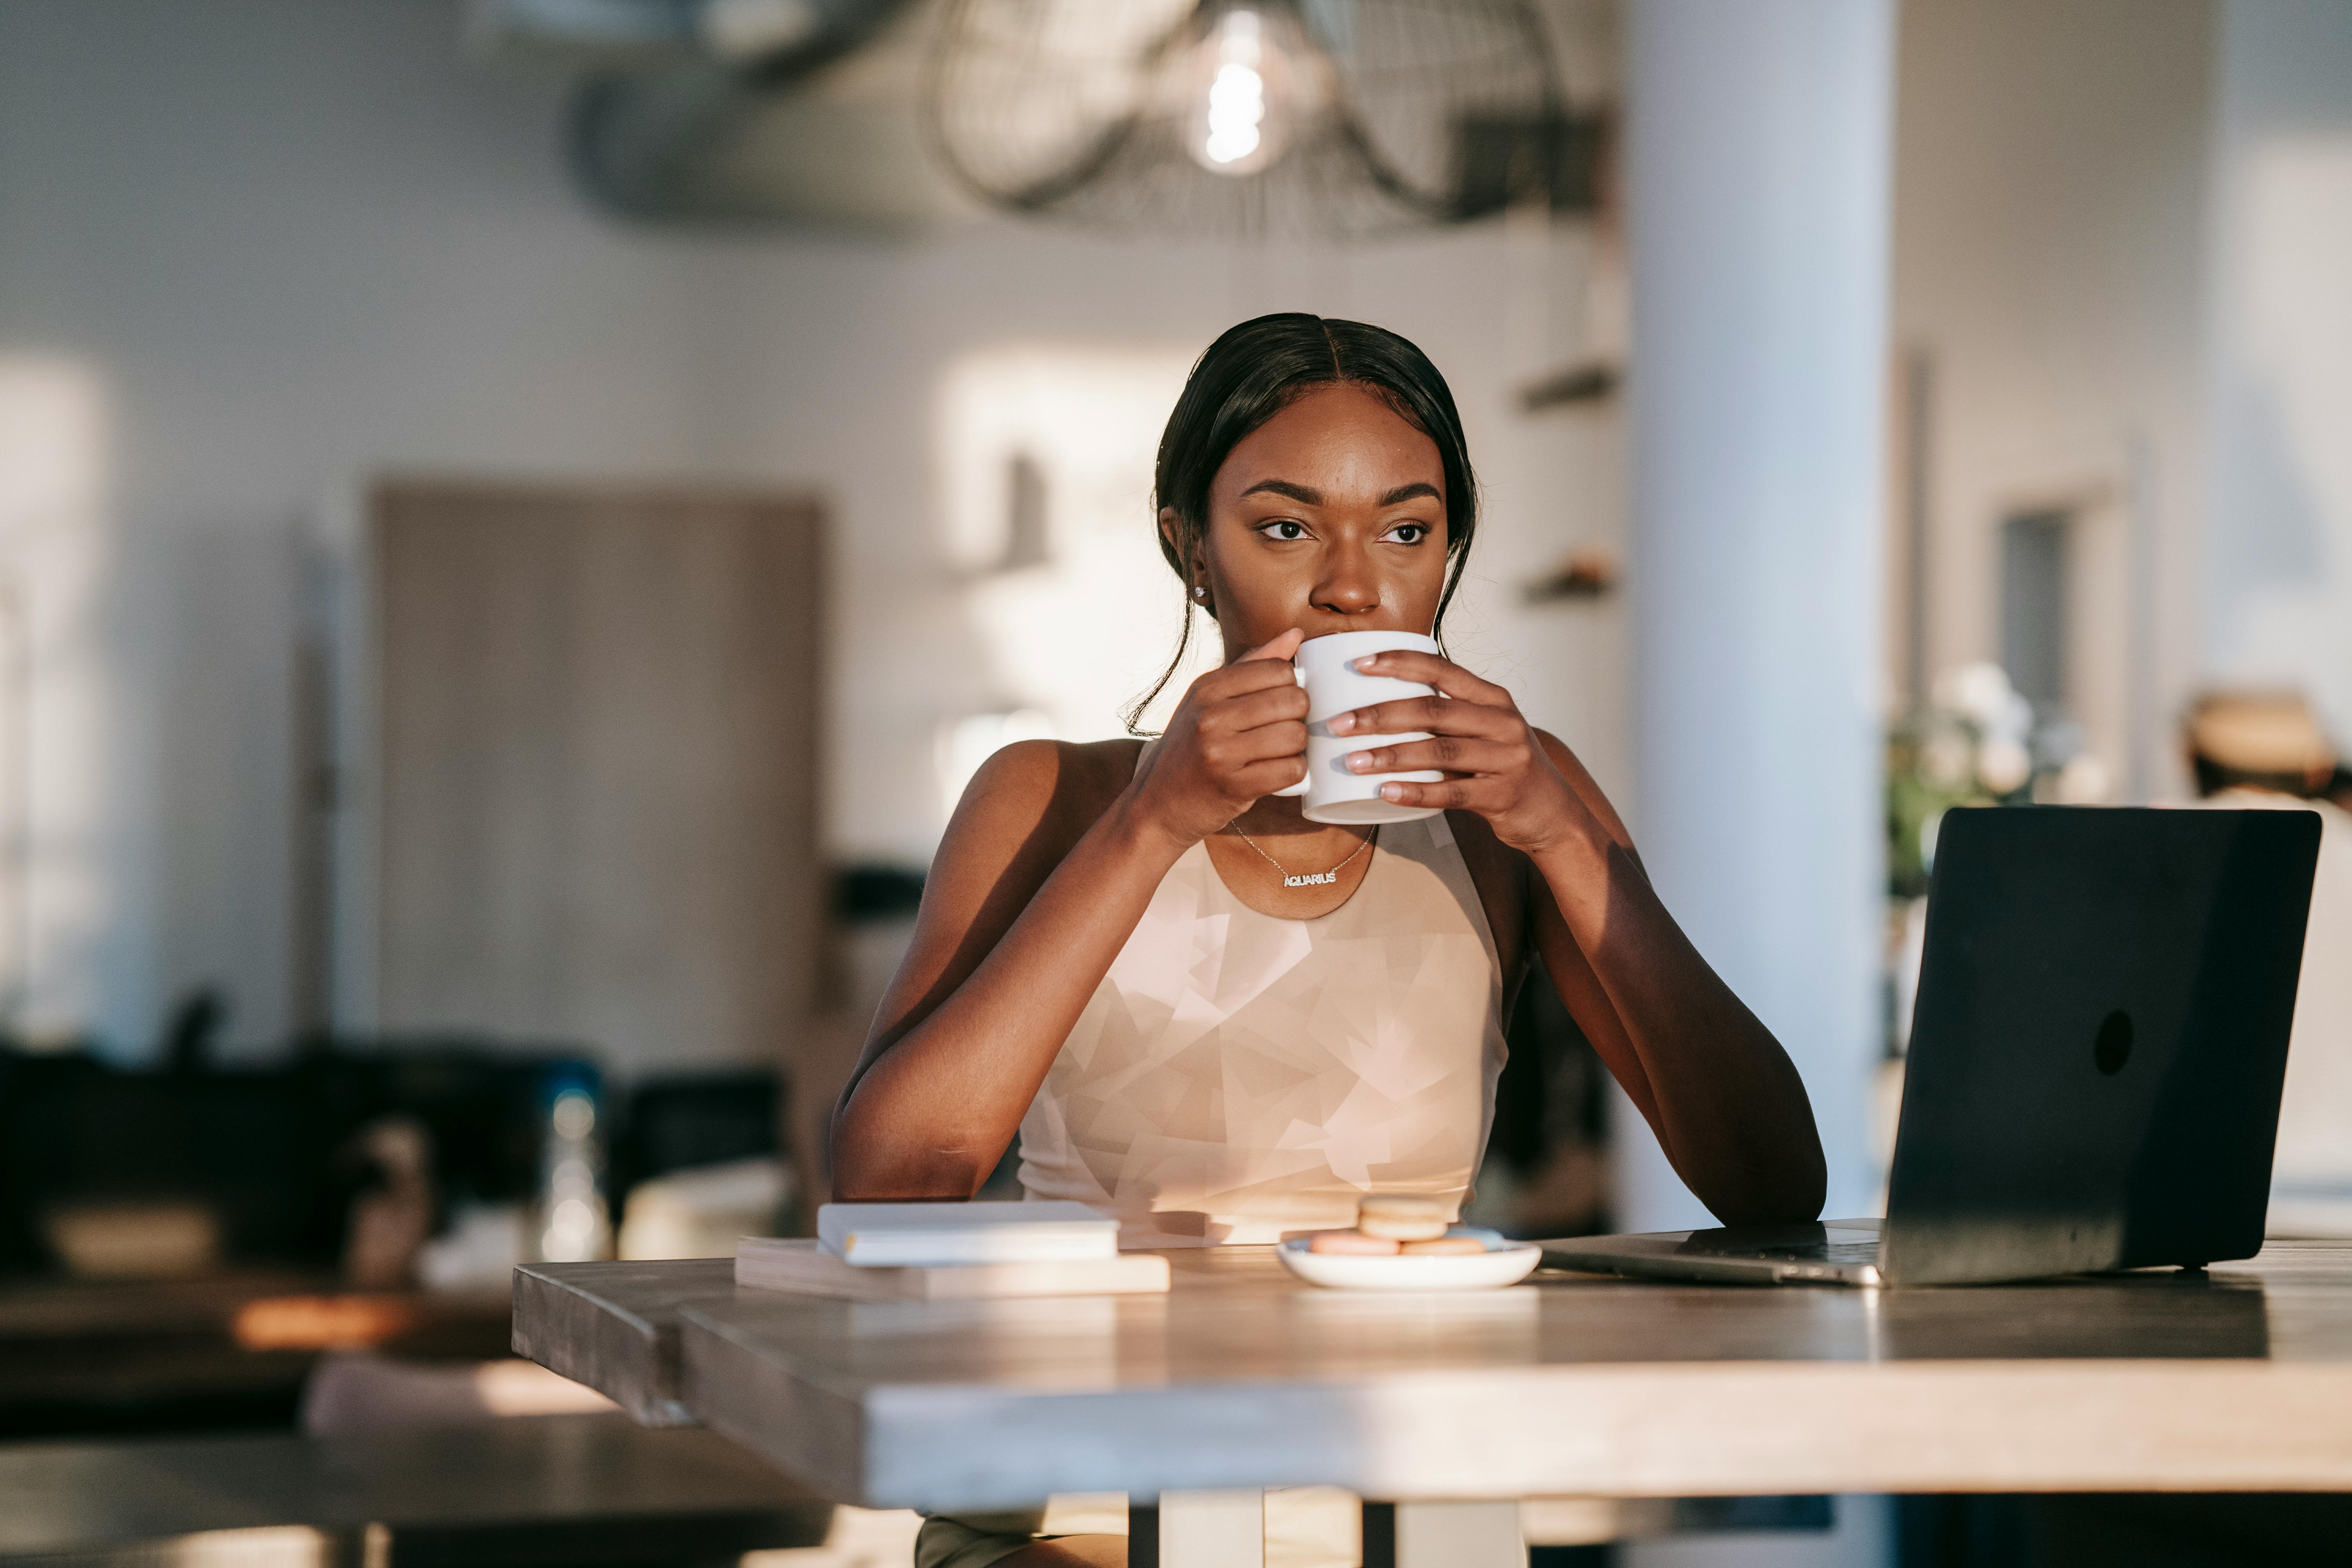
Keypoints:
pixel 1240 733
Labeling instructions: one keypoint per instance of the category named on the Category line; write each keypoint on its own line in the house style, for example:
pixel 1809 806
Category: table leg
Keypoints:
pixel 1198 1530
pixel 1444 1535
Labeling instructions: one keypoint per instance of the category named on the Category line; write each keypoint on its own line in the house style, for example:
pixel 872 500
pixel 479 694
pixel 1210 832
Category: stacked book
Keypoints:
pixel 931 1252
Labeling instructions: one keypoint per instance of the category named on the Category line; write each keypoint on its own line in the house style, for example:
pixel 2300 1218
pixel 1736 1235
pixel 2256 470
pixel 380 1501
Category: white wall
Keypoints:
pixel 293 243
pixel 2049 256
pixel 2123 232
pixel 296 243
pixel 2279 545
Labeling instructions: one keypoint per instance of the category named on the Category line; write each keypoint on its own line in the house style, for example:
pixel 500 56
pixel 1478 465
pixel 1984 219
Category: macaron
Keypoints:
pixel 1401 1217
pixel 1353 1244
pixel 1443 1245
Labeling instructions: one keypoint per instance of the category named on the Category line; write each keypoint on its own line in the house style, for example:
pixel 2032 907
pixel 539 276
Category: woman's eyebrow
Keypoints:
pixel 1308 496
pixel 1303 494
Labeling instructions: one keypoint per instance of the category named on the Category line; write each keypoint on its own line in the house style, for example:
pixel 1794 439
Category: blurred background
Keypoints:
pixel 518 518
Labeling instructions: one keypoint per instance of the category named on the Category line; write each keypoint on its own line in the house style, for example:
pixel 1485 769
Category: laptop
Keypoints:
pixel 2095 1061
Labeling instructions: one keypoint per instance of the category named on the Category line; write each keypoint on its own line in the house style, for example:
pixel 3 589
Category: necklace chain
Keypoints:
pixel 1309 878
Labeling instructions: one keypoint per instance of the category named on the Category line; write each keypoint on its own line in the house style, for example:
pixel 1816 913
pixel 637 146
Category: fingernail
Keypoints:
pixel 1392 792
pixel 1361 761
pixel 1364 666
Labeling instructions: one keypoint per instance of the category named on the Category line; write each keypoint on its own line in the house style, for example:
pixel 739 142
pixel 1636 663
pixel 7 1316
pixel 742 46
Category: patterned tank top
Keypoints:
pixel 1237 1077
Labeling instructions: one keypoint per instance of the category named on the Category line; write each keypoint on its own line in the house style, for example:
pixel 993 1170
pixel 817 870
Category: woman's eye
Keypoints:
pixel 1283 528
pixel 1409 532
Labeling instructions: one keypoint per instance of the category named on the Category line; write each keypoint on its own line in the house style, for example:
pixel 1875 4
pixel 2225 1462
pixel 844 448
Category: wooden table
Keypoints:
pixel 1242 1379
pixel 576 1489
pixel 213 1352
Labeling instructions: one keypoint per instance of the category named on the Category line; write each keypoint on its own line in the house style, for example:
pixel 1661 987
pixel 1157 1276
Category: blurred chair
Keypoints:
pixel 154 1173
pixel 2266 752
pixel 268 1160
pixel 177 1243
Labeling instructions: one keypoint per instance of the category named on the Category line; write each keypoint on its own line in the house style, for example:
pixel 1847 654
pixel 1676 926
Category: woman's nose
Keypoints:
pixel 1348 587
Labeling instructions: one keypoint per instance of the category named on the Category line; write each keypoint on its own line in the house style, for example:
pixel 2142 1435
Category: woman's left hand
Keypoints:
pixel 1478 735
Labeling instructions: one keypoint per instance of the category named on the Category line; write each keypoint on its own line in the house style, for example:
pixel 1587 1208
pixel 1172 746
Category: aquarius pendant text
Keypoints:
pixel 1308 879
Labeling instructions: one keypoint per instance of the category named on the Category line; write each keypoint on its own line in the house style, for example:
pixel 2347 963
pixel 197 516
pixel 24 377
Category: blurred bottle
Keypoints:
pixel 574 1223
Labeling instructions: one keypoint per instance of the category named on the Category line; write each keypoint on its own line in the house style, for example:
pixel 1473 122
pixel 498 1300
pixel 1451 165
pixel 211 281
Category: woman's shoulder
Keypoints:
pixel 1059 786
pixel 1079 769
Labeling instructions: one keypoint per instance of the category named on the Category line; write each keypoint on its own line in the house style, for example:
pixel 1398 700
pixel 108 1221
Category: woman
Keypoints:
pixel 1109 958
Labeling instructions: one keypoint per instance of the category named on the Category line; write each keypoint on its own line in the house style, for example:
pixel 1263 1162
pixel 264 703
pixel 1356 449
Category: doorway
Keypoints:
pixel 599 727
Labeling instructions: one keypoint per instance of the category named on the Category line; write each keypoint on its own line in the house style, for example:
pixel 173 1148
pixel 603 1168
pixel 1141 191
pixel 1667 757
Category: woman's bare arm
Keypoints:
pixel 1725 1100
pixel 1051 859
pixel 1033 892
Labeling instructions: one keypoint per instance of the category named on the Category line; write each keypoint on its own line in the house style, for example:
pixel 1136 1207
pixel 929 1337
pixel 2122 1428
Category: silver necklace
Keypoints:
pixel 1309 878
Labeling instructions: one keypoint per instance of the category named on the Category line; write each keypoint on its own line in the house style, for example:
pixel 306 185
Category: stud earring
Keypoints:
pixel 1201 594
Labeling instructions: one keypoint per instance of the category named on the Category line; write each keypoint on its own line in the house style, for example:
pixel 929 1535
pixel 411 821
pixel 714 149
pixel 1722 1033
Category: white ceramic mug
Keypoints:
pixel 1324 665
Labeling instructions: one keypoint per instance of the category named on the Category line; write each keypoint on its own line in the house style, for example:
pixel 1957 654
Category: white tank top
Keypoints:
pixel 1237 1077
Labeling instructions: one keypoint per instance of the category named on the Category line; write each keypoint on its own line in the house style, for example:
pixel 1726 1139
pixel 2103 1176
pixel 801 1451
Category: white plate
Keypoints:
pixel 1503 1263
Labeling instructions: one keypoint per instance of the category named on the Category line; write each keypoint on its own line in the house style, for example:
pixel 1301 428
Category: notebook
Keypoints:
pixel 926 1236
pixel 807 1268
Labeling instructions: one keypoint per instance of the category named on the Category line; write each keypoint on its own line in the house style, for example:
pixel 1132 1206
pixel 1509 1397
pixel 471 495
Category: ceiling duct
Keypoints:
pixel 668 32
pixel 835 113
pixel 592 32
pixel 744 111
pixel 1336 119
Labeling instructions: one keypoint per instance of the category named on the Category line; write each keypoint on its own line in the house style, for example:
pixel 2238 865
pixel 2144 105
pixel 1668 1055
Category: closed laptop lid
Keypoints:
pixel 2099 1042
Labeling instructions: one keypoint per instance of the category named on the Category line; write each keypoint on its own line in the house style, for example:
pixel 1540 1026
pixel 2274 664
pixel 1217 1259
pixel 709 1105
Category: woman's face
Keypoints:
pixel 1330 517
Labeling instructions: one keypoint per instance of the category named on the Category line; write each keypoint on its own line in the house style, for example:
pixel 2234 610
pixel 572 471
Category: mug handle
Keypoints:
pixel 1300 788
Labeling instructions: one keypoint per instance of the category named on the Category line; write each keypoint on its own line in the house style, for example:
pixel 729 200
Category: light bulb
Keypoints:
pixel 1236 110
pixel 1250 82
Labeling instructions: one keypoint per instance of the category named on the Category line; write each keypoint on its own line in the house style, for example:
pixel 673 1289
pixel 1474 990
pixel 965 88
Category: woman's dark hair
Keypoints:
pixel 1256 371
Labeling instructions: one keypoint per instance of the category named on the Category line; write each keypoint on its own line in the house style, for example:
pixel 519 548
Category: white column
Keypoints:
pixel 1760 139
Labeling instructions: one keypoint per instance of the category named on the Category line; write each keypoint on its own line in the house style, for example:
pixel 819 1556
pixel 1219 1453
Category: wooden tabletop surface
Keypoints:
pixel 213 1351
pixel 557 1488
pixel 1571 1385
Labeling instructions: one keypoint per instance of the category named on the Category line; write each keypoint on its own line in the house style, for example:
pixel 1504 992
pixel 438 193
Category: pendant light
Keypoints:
pixel 1216 118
